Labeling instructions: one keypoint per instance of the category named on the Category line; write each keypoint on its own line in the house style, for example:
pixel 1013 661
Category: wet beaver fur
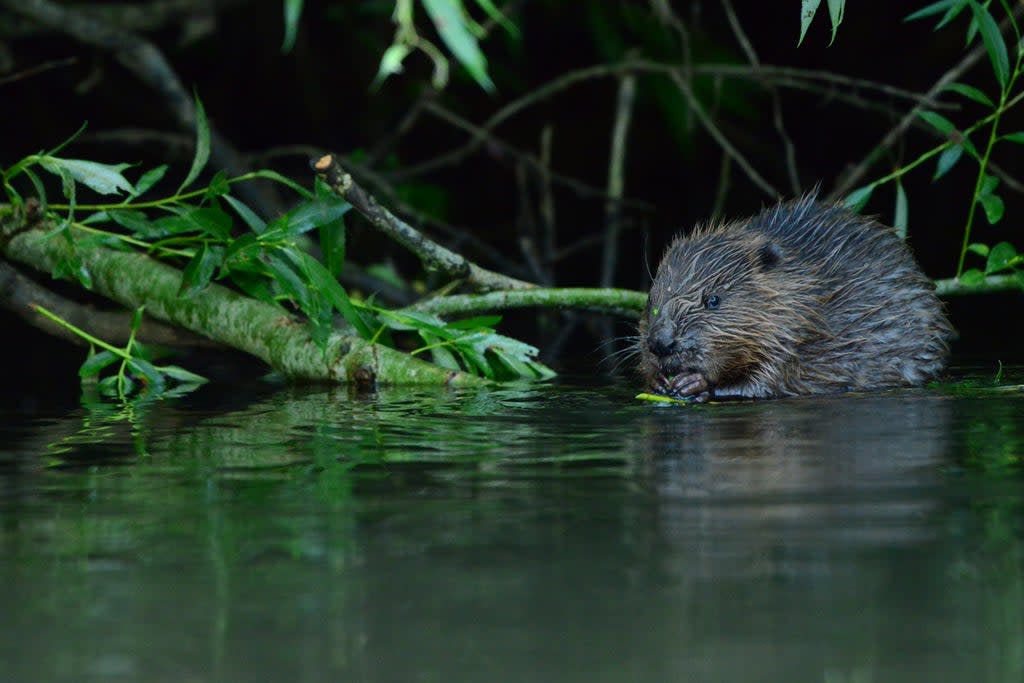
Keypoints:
pixel 803 298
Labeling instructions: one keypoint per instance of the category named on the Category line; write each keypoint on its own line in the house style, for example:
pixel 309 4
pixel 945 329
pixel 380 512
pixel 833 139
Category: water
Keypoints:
pixel 556 533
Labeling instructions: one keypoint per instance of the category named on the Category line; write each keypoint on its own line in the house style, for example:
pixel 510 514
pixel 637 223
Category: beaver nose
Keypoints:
pixel 660 341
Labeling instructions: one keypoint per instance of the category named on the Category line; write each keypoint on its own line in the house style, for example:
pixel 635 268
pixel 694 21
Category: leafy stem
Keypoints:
pixel 982 177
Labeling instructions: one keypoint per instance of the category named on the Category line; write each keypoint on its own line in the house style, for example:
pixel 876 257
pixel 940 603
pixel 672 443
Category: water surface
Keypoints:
pixel 563 532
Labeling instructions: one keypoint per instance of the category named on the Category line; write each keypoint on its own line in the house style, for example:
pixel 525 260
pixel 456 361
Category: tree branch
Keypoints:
pixel 433 255
pixel 265 331
pixel 20 294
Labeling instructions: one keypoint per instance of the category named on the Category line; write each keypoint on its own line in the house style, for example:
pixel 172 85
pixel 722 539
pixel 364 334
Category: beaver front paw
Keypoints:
pixel 693 386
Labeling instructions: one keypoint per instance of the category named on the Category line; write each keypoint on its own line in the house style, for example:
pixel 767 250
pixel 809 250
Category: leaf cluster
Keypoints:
pixel 214 236
pixel 976 141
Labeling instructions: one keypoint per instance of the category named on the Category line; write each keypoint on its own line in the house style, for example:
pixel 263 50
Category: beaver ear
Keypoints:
pixel 769 255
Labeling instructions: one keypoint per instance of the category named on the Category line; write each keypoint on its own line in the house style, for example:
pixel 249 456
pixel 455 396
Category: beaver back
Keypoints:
pixel 803 298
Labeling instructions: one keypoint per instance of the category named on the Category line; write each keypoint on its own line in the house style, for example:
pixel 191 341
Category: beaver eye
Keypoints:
pixel 712 302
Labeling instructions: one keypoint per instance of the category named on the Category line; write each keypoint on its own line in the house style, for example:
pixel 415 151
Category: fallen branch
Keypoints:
pixel 281 340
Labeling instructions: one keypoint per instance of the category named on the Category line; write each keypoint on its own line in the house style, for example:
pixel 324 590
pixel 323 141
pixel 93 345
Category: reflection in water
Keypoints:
pixel 563 533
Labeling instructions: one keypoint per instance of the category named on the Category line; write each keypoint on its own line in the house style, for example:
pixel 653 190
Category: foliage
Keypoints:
pixel 957 142
pixel 459 32
pixel 135 370
pixel 808 8
pixel 196 229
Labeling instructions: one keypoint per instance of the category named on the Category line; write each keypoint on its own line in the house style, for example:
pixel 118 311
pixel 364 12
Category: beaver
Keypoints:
pixel 803 298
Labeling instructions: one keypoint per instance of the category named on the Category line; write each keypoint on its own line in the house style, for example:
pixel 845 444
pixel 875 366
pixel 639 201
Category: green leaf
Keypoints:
pixel 856 200
pixel 37 184
pixel 253 284
pixel 937 121
pixel 931 9
pixel 292 12
pixel 972 277
pixel 969 147
pixel 181 374
pixel 248 216
pixel 324 281
pixel 391 62
pixel 978 248
pixel 137 318
pixel 332 246
pixel 205 220
pixel 988 185
pixel 147 372
pixel 149 179
pixel 951 13
pixel 993 40
pixel 115 385
pixel 450 20
pixel 218 186
pixel 95 363
pixel 474 353
pixel 950 7
pixel 130 219
pixel 947 160
pixel 202 154
pixel 970 92
pixel 200 269
pixel 509 367
pixel 836 9
pixel 994 207
pixel 900 218
pixel 808 8
pixel 283 270
pixel 1014 137
pixel 495 14
pixel 440 353
pixel 1000 258
pixel 314 214
pixel 658 398
pixel 1020 278
pixel 100 178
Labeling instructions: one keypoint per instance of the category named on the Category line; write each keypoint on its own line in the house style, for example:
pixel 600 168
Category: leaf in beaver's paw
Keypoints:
pixel 658 398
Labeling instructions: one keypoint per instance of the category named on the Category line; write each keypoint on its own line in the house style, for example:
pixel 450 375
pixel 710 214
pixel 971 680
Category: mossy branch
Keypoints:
pixel 993 283
pixel 265 331
pixel 622 302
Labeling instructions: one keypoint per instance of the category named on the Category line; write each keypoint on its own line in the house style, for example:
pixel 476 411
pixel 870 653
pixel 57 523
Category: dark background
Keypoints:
pixel 320 96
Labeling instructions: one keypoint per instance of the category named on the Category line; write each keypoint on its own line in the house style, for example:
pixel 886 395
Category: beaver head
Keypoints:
pixel 725 315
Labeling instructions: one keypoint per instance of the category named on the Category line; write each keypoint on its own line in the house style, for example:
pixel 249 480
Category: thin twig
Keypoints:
pixel 854 177
pixel 783 76
pixel 617 178
pixel 548 220
pixel 405 124
pixel 38 69
pixel 773 93
pixel 623 302
pixel 433 255
pixel 709 125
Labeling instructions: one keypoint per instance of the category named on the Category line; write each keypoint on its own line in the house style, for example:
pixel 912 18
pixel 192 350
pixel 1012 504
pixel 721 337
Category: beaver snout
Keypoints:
pixel 661 340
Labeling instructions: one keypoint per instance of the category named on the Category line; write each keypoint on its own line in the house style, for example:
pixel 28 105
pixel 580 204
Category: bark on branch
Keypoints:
pixel 281 340
pixel 433 255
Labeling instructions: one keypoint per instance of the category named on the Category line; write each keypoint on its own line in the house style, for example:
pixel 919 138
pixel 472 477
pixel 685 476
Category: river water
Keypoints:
pixel 563 532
